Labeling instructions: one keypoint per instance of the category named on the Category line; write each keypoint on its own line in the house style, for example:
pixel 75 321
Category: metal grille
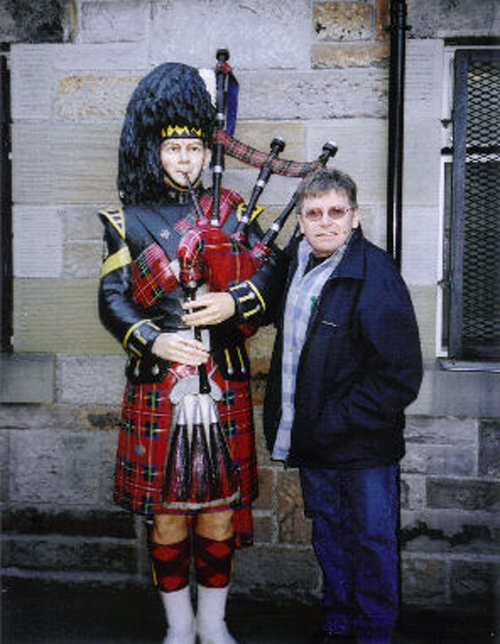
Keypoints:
pixel 475 305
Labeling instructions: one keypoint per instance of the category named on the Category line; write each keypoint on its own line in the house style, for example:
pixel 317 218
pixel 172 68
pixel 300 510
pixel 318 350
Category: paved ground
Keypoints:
pixel 55 614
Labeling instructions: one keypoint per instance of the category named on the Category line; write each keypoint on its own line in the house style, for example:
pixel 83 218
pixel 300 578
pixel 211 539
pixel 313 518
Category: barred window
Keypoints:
pixel 471 328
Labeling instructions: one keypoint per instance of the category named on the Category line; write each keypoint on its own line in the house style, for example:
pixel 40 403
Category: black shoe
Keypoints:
pixel 325 637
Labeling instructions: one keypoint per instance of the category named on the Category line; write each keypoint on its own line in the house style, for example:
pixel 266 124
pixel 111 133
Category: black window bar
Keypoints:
pixel 474 325
pixel 6 286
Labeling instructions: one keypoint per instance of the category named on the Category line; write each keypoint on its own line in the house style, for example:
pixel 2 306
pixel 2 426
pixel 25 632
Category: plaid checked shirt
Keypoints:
pixel 302 296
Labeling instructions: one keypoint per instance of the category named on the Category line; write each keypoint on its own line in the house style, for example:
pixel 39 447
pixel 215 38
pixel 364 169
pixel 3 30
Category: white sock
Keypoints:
pixel 210 618
pixel 180 616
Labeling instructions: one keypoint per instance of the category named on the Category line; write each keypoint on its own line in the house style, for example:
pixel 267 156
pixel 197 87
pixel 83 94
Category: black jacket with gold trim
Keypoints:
pixel 139 291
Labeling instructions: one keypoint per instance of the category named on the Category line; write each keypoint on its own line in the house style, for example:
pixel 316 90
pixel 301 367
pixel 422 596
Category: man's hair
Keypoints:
pixel 324 180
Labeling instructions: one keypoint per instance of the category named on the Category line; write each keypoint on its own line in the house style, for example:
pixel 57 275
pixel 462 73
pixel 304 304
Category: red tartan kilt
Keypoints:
pixel 144 438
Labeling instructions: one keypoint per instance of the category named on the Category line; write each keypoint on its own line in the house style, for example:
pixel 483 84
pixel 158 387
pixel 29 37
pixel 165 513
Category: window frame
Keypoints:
pixel 449 333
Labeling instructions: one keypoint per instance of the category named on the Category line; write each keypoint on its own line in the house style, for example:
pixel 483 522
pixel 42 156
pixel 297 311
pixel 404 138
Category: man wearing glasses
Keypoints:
pixel 346 363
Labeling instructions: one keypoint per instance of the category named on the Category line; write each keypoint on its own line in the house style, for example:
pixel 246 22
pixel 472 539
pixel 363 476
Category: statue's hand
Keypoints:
pixel 208 309
pixel 175 347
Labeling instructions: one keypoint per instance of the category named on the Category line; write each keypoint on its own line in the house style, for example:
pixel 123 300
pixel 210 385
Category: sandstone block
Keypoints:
pixel 93 97
pixel 244 29
pixel 59 316
pixel 265 529
pixel 104 22
pixel 26 378
pixel 439 459
pixel 82 260
pixel 279 572
pixel 89 380
pixel 37 68
pixel 38 241
pixel 90 555
pixel 260 134
pixel 38 416
pixel 423 580
pixel 474 584
pixel 266 490
pixel 331 55
pixel 427 430
pixel 442 19
pixel 81 222
pixel 49 168
pixel 263 458
pixel 361 152
pixel 412 491
pixel 62 468
pixel 293 526
pixel 71 523
pixel 314 95
pixel 489 448
pixel 344 21
pixel 456 393
pixel 4 467
pixel 463 494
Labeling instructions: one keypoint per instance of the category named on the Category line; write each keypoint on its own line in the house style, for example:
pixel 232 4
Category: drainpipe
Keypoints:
pixel 397 30
pixel 5 206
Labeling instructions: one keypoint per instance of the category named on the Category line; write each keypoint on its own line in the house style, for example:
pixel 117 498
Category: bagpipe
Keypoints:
pixel 202 251
pixel 200 471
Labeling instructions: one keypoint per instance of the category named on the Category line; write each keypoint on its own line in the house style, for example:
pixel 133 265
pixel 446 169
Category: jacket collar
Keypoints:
pixel 353 262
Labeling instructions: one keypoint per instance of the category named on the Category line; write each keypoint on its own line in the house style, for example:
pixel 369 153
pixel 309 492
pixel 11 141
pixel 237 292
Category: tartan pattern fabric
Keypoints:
pixel 251 156
pixel 143 447
pixel 209 252
pixel 183 225
pixel 213 561
pixel 170 564
pixel 152 276
pixel 228 200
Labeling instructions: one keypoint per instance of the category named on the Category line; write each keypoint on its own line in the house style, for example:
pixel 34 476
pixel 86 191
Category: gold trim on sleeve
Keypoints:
pixel 132 329
pixel 259 296
pixel 115 261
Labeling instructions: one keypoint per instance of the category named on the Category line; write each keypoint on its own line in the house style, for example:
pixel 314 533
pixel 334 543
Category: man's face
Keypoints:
pixel 326 220
pixel 181 156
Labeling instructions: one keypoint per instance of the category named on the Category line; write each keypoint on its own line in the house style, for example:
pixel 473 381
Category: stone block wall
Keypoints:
pixel 310 72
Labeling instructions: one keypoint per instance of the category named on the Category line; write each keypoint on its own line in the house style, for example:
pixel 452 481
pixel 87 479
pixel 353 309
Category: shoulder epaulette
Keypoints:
pixel 116 218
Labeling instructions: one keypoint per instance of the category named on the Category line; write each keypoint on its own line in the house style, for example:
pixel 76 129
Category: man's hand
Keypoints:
pixel 211 308
pixel 177 348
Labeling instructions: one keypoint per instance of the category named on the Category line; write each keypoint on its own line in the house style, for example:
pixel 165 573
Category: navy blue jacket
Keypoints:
pixel 359 369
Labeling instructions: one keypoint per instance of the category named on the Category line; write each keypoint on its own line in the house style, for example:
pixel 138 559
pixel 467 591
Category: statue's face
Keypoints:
pixel 181 156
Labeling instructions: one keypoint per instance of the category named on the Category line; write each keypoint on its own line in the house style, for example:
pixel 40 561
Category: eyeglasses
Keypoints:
pixel 315 214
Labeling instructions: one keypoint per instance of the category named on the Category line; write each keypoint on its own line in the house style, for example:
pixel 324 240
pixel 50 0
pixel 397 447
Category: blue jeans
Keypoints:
pixel 355 521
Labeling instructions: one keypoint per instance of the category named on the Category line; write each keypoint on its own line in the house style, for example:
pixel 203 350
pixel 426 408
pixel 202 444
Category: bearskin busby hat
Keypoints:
pixel 172 98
